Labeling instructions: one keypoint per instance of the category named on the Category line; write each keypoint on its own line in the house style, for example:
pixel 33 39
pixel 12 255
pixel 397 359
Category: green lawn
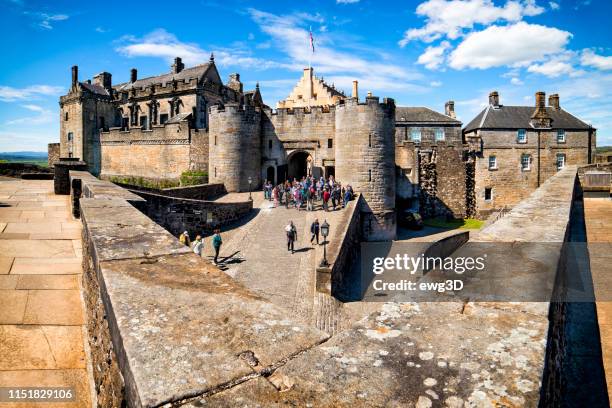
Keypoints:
pixel 467 223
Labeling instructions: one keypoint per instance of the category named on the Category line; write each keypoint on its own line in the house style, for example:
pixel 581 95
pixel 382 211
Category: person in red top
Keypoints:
pixel 326 196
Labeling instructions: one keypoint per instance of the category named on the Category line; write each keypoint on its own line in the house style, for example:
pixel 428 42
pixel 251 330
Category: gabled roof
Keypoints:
pixel 519 117
pixel 421 114
pixel 198 72
pixel 94 88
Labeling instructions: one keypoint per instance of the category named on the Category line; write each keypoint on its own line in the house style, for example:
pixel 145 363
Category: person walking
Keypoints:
pixel 216 243
pixel 314 231
pixel 347 197
pixel 184 239
pixel 275 196
pixel 197 245
pixel 291 232
pixel 326 196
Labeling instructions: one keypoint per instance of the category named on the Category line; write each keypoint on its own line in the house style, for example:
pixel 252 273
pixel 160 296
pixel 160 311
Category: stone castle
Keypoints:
pixel 397 157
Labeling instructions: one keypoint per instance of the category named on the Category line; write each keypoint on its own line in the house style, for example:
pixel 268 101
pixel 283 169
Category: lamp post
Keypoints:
pixel 325 233
pixel 250 181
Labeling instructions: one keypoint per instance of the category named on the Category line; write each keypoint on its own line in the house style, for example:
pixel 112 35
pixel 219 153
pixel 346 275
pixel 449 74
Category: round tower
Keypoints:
pixel 235 147
pixel 365 159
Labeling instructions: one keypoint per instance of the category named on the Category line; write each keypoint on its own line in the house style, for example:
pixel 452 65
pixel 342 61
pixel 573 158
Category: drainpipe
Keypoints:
pixel 538 158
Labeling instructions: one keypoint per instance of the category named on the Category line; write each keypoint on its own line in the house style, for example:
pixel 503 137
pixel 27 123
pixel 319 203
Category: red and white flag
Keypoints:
pixel 311 41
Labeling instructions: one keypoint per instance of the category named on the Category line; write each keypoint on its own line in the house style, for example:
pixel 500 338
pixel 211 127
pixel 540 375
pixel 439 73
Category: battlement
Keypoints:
pixel 234 108
pixel 388 104
pixel 301 111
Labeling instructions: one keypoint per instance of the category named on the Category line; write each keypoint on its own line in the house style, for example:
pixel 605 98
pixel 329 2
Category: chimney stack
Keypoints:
pixel 449 109
pixel 75 76
pixel 133 75
pixel 355 94
pixel 540 117
pixel 234 82
pixel 553 101
pixel 494 99
pixel 540 100
pixel 178 65
pixel 103 79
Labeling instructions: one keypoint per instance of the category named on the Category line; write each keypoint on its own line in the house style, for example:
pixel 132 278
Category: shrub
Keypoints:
pixel 194 177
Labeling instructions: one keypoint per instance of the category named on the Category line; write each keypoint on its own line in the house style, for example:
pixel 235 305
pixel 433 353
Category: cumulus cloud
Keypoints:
pixel 516 81
pixel 552 68
pixel 450 18
pixel 554 5
pixel 9 94
pixel 590 59
pixel 433 57
pixel 162 44
pixel 513 45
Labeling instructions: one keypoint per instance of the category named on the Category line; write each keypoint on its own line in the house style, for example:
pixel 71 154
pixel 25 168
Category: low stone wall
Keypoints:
pixel 342 249
pixel 164 325
pixel 196 192
pixel 53 154
pixel 195 216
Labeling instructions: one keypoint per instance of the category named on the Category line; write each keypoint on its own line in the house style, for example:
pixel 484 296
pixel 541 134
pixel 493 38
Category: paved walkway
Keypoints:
pixel 598 219
pixel 42 323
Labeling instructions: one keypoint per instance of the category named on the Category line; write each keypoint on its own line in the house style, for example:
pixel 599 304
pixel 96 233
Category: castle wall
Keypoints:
pixel 365 159
pixel 53 154
pixel 73 123
pixel 509 183
pixel 161 153
pixel 235 147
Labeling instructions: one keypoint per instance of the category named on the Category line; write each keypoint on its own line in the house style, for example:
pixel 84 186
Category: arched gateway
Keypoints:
pixel 299 164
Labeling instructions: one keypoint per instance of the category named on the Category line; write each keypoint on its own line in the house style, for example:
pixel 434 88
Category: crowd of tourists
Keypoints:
pixel 309 192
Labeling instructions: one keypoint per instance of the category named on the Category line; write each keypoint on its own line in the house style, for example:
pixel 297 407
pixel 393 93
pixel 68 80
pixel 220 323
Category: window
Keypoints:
pixel 406 134
pixel 330 143
pixel 560 136
pixel 560 161
pixel 488 193
pixel 439 134
pixel 370 140
pixel 102 124
pixel 492 162
pixel 521 136
pixel 70 136
pixel 215 139
pixel 269 144
pixel 66 116
pixel 369 175
pixel 124 123
pixel 525 162
pixel 415 135
pixel 163 118
pixel 143 122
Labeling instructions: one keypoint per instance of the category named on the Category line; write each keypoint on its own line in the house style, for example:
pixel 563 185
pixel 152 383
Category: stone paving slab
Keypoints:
pixel 61 307
pixel 48 266
pixel 41 249
pixel 12 306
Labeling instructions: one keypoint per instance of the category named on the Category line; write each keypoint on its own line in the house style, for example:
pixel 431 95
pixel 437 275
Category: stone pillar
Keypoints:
pixel 61 183
pixel 365 159
pixel 494 98
pixel 355 90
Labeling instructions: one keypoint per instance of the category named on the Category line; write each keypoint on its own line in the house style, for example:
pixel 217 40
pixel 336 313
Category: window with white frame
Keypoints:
pixel 525 162
pixel 415 135
pixel 561 136
pixel 492 162
pixel 560 161
pixel 521 136
pixel 439 133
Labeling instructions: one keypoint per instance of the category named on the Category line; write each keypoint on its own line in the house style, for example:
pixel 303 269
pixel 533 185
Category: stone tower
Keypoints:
pixel 365 159
pixel 235 146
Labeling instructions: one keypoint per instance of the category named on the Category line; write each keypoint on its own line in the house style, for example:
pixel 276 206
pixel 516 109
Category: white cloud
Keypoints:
pixel 435 84
pixel 9 94
pixel 590 59
pixel 47 19
pixel 165 45
pixel 27 139
pixel 290 34
pixel 433 57
pixel 43 116
pixel 101 30
pixel 516 81
pixel 347 1
pixel 451 18
pixel 554 5
pixel 552 69
pixel 514 45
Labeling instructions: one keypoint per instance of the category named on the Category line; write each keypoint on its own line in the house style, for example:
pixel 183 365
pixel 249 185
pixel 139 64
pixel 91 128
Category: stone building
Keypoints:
pixel 514 149
pixel 430 164
pixel 312 91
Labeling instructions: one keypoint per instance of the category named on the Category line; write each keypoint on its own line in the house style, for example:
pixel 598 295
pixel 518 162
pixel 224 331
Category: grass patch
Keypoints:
pixel 142 182
pixel 467 223
pixel 194 177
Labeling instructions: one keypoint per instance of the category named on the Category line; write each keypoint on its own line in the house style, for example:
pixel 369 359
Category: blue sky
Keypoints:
pixel 422 53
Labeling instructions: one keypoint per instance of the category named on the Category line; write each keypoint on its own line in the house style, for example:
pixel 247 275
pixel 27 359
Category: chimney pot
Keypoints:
pixel 494 98
pixel 178 65
pixel 355 94
pixel 449 109
pixel 133 75
pixel 553 101
pixel 75 75
pixel 540 100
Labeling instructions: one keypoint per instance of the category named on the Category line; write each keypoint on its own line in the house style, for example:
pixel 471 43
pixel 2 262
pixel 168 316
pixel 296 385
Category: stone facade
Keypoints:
pixel 311 91
pixel 515 149
pixel 53 154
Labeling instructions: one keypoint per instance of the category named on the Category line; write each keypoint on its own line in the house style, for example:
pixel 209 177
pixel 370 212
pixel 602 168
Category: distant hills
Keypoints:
pixel 39 158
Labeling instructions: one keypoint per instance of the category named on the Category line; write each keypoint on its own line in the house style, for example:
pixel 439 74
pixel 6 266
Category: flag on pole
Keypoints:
pixel 312 41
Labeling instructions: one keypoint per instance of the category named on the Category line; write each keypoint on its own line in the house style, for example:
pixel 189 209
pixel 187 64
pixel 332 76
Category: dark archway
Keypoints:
pixel 299 165
pixel 270 175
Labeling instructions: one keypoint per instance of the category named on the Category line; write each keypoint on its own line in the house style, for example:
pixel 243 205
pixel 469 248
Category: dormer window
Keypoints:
pixel 521 136
pixel 561 136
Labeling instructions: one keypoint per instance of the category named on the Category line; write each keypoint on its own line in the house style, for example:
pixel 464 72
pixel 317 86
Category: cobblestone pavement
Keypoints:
pixel 42 324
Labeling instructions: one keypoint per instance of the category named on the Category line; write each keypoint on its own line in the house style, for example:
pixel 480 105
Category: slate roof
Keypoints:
pixel 519 117
pixel 421 114
pixel 95 88
pixel 186 74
